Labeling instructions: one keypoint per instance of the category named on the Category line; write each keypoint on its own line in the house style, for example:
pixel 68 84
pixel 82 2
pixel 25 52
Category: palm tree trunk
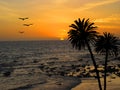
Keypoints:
pixel 95 65
pixel 105 71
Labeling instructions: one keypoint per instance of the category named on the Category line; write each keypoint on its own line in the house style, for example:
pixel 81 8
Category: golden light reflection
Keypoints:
pixel 62 39
pixel 63 34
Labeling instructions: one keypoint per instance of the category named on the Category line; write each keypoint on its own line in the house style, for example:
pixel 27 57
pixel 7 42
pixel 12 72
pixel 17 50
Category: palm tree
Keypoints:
pixel 82 34
pixel 108 45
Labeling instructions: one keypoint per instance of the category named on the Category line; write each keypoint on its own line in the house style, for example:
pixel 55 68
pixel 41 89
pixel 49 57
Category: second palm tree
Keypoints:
pixel 107 44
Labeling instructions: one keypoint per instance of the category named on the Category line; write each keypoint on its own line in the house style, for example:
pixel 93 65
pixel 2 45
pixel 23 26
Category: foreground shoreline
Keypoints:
pixel 62 83
pixel 68 83
pixel 41 82
pixel 91 84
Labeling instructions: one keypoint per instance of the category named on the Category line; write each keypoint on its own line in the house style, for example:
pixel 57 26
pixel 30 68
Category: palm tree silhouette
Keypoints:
pixel 82 34
pixel 107 44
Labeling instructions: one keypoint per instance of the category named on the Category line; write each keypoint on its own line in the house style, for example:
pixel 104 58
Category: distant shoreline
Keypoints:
pixel 31 40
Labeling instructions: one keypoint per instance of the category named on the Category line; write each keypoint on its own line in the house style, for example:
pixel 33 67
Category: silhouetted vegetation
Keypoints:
pixel 81 35
pixel 107 44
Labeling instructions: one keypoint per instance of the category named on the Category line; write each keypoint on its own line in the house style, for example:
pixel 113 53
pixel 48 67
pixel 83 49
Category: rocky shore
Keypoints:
pixel 52 74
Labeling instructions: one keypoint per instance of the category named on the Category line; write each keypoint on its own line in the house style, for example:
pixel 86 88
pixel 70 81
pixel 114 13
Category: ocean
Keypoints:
pixel 40 50
pixel 28 64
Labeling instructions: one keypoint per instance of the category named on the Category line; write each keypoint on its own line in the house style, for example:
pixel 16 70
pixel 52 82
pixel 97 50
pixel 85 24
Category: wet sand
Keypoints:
pixel 91 84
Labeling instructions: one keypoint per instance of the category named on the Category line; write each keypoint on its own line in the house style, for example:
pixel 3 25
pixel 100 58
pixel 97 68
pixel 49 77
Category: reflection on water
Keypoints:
pixel 41 50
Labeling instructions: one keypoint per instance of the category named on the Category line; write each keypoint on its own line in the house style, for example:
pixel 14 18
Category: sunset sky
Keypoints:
pixel 51 18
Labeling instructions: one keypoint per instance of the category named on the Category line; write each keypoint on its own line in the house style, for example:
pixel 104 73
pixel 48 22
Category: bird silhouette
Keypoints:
pixel 27 24
pixel 21 32
pixel 24 18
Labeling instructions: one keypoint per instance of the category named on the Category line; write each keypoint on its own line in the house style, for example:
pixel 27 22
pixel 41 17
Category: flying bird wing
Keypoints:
pixel 27 24
pixel 31 24
pixel 24 18
pixel 21 32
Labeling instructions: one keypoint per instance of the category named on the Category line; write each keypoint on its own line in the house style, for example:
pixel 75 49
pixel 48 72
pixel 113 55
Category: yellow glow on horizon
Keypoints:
pixel 62 34
pixel 62 39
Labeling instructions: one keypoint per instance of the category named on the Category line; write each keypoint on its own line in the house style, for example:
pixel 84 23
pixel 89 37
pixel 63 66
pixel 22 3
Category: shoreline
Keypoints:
pixel 112 84
pixel 62 83
pixel 41 82
pixel 70 83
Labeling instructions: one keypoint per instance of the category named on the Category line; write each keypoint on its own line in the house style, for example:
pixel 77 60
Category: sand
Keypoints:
pixel 64 83
pixel 91 84
pixel 38 83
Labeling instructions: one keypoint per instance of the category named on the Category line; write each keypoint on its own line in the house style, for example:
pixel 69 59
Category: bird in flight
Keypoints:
pixel 21 32
pixel 27 24
pixel 24 18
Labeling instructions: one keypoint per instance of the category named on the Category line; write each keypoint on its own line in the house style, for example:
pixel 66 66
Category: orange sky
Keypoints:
pixel 51 18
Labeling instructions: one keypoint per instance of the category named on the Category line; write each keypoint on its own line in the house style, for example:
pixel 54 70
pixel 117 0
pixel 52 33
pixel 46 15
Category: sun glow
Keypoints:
pixel 62 39
pixel 63 34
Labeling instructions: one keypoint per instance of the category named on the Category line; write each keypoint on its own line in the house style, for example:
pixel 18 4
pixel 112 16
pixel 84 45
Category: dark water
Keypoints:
pixel 42 50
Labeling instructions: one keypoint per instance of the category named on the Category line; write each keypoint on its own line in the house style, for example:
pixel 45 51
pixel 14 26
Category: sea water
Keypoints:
pixel 42 50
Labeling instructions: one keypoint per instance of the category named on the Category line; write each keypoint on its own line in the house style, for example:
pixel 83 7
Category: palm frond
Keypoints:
pixel 107 42
pixel 80 32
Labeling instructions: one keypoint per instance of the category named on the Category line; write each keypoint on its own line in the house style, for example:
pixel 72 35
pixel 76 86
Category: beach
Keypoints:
pixel 51 65
pixel 35 77
pixel 52 77
pixel 88 84
pixel 38 83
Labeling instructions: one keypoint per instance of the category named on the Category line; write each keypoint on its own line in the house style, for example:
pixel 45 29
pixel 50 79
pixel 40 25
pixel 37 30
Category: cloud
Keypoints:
pixel 96 4
pixel 115 18
pixel 60 1
pixel 111 23
pixel 7 10
pixel 4 6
